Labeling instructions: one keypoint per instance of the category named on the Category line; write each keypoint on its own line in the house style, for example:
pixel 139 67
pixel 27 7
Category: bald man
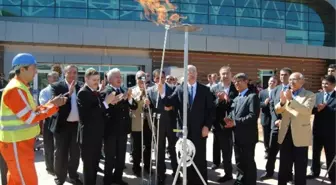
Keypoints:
pixel 295 133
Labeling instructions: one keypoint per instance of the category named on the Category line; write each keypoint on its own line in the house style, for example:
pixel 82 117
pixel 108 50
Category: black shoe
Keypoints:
pixel 120 182
pixel 214 166
pixel 266 176
pixel 225 178
pixel 312 175
pixel 76 182
pixel 51 172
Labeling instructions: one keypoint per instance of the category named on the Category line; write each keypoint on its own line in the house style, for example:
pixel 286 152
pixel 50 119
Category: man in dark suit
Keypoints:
pixel 65 127
pixel 265 97
pixel 224 92
pixel 92 110
pixel 244 120
pixel 324 128
pixel 200 119
pixel 166 125
pixel 118 125
pixel 275 121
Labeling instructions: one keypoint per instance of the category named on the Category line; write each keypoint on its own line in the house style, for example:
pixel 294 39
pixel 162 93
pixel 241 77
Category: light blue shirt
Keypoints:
pixel 243 92
pixel 45 95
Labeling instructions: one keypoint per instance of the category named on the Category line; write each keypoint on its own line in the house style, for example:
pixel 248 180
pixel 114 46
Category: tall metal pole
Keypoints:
pixel 185 107
pixel 186 28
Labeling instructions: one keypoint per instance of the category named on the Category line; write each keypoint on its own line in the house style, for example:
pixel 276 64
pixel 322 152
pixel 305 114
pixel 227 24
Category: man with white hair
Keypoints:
pixel 200 118
pixel 295 133
pixel 118 125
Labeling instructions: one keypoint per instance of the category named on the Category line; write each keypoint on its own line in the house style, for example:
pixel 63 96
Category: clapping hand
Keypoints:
pixel 72 87
pixel 282 98
pixel 229 122
pixel 321 107
pixel 267 101
pixel 110 98
pixel 58 100
pixel 288 94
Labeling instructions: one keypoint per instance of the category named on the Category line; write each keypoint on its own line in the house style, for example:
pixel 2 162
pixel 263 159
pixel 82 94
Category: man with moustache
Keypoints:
pixel 48 137
pixel 324 128
pixel 265 97
pixel 295 106
pixel 224 93
pixel 139 95
pixel 275 122
pixel 92 109
pixel 118 125
pixel 65 127
pixel 244 121
pixel 166 125
pixel 200 119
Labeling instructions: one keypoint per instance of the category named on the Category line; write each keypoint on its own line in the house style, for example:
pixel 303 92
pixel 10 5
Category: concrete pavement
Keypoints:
pixel 45 179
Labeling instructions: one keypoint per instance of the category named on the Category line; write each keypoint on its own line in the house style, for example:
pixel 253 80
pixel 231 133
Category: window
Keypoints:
pixel 269 23
pixel 248 3
pixel 10 2
pixel 75 13
pixel 296 7
pixel 247 12
pixel 296 25
pixel 271 14
pixel 38 3
pixel 205 2
pixel 71 3
pixel 296 34
pixel 251 22
pixel 305 42
pixel 10 11
pixel 317 36
pixel 297 16
pixel 273 5
pixel 103 14
pixel 130 5
pixel 222 20
pixel 31 11
pixel 221 10
pixel 316 26
pixel 132 15
pixel 192 8
pixel 103 4
pixel 222 2
pixel 196 18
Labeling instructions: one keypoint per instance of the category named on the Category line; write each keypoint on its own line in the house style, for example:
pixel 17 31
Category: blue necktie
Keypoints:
pixel 326 97
pixel 191 93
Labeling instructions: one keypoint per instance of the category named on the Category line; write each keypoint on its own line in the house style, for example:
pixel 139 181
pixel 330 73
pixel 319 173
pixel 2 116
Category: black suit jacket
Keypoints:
pixel 61 117
pixel 200 113
pixel 223 108
pixel 275 99
pixel 167 117
pixel 118 120
pixel 266 117
pixel 92 113
pixel 245 113
pixel 324 122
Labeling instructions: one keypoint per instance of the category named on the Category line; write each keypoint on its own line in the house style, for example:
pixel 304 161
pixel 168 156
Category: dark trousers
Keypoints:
pixel 200 162
pixel 272 152
pixel 226 144
pixel 115 151
pixel 3 170
pixel 136 147
pixel 328 142
pixel 267 135
pixel 246 165
pixel 166 132
pixel 216 148
pixel 67 153
pixel 48 142
pixel 290 154
pixel 91 152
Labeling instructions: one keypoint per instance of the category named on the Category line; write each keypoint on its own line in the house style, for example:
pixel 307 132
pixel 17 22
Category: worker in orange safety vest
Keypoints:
pixel 19 121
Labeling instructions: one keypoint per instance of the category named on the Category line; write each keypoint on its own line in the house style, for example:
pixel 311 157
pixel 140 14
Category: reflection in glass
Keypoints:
pixel 297 16
pixel 38 2
pixel 10 2
pixel 194 1
pixel 71 13
pixel 196 18
pixel 251 22
pixel 248 3
pixel 132 15
pixel 296 35
pixel 247 12
pixel 103 14
pixel 38 11
pixel 104 4
pixel 296 25
pixel 271 14
pixel 10 11
pixel 130 5
pixel 221 10
pixel 316 26
pixel 317 36
pixel 222 20
pixel 192 8
pixel 269 23
pixel 273 5
pixel 305 42
pixel 222 2
pixel 72 3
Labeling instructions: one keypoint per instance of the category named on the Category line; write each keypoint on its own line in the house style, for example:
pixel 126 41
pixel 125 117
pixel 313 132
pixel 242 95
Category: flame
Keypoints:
pixel 154 8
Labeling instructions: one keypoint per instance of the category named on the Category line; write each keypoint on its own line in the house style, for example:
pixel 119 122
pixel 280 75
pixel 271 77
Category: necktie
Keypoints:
pixel 326 97
pixel 191 93
pixel 118 91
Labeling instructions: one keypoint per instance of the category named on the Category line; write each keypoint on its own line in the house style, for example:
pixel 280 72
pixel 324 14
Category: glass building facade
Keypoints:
pixel 302 24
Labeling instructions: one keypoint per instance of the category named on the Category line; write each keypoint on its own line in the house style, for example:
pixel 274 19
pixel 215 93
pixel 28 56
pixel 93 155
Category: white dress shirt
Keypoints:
pixel 73 116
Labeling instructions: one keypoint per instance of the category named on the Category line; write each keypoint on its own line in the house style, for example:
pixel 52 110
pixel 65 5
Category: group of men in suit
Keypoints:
pixel 286 119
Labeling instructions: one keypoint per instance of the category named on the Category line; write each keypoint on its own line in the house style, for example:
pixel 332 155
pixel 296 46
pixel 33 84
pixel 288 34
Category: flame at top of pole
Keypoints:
pixel 160 10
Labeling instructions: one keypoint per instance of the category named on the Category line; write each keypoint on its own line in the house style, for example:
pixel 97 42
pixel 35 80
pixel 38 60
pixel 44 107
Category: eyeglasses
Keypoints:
pixel 294 79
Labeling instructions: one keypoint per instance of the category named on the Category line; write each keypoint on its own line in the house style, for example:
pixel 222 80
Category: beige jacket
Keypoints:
pixel 136 114
pixel 296 114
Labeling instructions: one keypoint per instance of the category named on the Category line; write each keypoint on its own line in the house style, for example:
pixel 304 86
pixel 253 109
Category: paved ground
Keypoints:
pixel 45 179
